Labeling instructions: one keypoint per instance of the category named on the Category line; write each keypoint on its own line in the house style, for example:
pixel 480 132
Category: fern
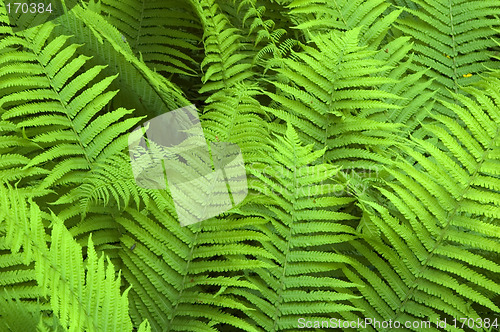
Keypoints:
pixel 339 87
pixel 263 27
pixel 162 34
pixel 51 113
pixel 436 253
pixel 305 220
pixel 316 17
pixel 81 300
pixel 369 135
pixel 454 40
pixel 158 94
pixel 168 268
pixel 224 64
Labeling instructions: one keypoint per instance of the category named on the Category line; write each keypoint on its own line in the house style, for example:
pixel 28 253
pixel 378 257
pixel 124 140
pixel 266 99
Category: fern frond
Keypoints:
pixel 235 115
pixel 99 38
pixel 63 113
pixel 111 180
pixel 16 315
pixel 437 251
pixel 13 150
pixel 83 297
pixel 164 34
pixel 325 87
pixel 417 98
pixel 264 28
pixel 453 40
pixel 306 219
pixel 322 16
pixel 225 63
pixel 176 272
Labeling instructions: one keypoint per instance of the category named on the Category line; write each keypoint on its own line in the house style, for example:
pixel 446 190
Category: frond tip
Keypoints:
pixel 84 295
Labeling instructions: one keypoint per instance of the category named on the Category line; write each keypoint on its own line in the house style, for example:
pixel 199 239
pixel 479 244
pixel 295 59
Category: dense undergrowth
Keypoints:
pixel 370 131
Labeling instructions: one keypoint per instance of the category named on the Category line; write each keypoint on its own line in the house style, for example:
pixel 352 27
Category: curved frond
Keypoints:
pixel 140 87
pixel 62 113
pixel 436 253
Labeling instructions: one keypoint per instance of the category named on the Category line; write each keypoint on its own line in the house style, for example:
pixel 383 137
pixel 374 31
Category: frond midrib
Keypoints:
pixel 447 223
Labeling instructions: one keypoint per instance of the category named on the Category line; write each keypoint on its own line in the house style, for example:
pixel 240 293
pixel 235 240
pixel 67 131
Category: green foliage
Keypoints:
pixel 370 131
pixel 165 34
pixel 82 297
pixel 305 220
pixel 440 232
pixel 454 40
